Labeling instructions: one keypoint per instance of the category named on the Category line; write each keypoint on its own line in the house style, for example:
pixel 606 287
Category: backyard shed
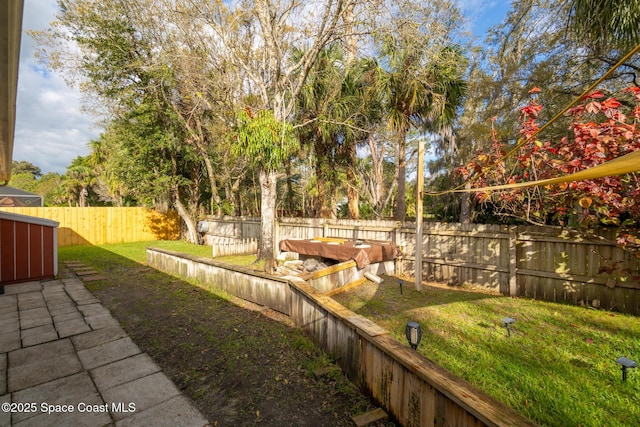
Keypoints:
pixel 28 248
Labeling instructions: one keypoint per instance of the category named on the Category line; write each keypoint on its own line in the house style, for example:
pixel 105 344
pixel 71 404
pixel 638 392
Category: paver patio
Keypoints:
pixel 64 360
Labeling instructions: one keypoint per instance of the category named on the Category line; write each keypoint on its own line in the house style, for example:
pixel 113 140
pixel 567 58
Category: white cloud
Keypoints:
pixel 482 14
pixel 51 130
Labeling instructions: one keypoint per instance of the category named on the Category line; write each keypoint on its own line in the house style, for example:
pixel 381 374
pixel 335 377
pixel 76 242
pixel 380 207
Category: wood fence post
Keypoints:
pixel 513 262
pixel 276 238
pixel 396 240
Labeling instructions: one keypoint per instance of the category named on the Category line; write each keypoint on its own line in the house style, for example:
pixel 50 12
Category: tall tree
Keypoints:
pixel 22 166
pixel 258 38
pixel 606 24
pixel 411 46
pixel 135 53
pixel 79 180
pixel 268 142
pixel 332 113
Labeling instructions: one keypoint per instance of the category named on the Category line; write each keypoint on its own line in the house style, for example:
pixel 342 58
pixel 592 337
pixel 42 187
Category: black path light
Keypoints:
pixel 626 363
pixel 414 334
pixel 400 283
pixel 508 321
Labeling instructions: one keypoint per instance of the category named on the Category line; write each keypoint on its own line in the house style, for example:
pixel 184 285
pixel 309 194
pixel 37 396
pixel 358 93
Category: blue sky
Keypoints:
pixel 52 129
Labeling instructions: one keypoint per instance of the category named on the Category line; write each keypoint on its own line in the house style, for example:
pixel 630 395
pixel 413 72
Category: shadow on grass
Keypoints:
pixel 241 364
pixel 396 295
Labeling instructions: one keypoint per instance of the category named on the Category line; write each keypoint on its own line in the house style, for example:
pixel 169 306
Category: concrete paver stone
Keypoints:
pixel 93 309
pixel 9 315
pixel 144 393
pixel 34 317
pixel 101 321
pixel 3 374
pixel 177 411
pixel 30 300
pixel 32 355
pixel 10 324
pixel 10 341
pixel 60 346
pixel 41 363
pixel 93 278
pixel 71 390
pixel 107 353
pixel 86 273
pixel 72 327
pixel 57 299
pixel 99 337
pixel 29 296
pixel 19 288
pixel 123 371
pixel 76 391
pixel 5 417
pixel 73 315
pixel 63 309
pixel 48 369
pixel 8 303
pixel 38 335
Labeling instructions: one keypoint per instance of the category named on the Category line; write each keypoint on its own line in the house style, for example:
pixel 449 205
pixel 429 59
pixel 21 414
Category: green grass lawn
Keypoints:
pixel 136 251
pixel 558 367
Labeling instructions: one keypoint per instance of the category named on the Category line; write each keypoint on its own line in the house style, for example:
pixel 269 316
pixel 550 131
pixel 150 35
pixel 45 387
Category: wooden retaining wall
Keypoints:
pixel 344 273
pixel 413 389
pixel 546 263
pixel 243 282
pixel 99 225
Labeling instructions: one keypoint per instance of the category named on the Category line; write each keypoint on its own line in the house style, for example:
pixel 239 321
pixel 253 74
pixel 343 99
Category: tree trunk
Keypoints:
pixel 465 207
pixel 83 197
pixel 401 179
pixel 192 232
pixel 267 217
pixel 323 182
pixel 215 197
pixel 291 207
pixel 353 197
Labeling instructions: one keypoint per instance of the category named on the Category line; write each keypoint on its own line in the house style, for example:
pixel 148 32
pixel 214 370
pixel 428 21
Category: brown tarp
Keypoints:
pixel 365 254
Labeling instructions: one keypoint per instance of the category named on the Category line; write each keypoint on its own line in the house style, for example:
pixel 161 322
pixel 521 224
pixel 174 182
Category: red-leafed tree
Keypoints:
pixel 600 128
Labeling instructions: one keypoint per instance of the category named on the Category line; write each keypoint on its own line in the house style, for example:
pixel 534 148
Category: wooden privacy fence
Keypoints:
pixel 546 263
pixel 412 388
pixel 225 246
pixel 98 225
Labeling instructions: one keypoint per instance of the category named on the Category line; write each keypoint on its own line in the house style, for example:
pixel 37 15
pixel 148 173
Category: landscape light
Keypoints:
pixel 400 283
pixel 414 334
pixel 508 321
pixel 626 363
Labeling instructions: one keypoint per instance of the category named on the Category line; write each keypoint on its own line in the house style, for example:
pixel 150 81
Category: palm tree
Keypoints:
pixel 419 92
pixel 332 114
pixel 79 179
pixel 606 24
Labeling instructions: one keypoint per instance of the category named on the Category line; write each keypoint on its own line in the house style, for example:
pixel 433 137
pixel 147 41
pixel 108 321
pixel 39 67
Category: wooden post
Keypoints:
pixel 276 238
pixel 396 240
pixel 513 237
pixel 419 188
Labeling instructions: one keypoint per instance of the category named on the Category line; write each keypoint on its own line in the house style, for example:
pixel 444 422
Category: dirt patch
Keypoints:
pixel 241 364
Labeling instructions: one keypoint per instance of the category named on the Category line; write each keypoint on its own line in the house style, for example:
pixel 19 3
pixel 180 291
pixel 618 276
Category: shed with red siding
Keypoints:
pixel 28 248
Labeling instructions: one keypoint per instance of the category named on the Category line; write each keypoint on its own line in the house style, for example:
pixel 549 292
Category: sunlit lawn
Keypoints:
pixel 557 368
